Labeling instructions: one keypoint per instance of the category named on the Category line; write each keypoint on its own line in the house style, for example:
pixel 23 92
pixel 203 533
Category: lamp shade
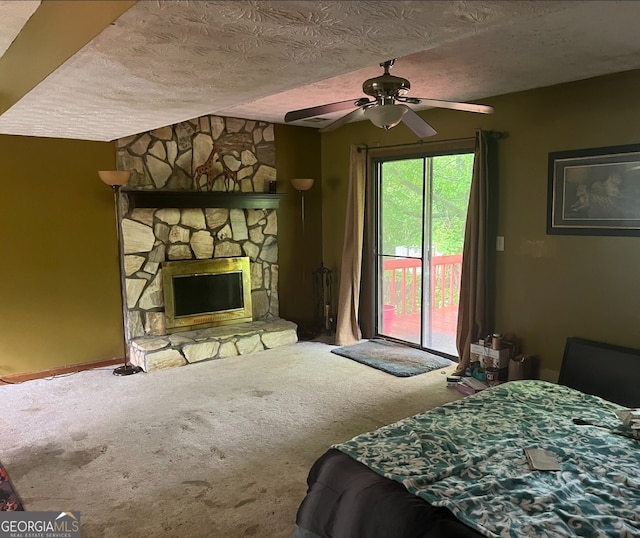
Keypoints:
pixel 114 177
pixel 302 184
pixel 385 116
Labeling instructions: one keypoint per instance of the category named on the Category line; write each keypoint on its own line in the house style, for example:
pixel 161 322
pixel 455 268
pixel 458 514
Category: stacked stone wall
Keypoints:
pixel 167 159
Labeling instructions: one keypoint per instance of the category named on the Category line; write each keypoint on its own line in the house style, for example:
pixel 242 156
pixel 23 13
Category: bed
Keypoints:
pixel 461 469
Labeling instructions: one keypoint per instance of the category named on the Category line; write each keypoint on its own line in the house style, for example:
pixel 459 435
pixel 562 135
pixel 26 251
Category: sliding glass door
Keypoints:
pixel 421 207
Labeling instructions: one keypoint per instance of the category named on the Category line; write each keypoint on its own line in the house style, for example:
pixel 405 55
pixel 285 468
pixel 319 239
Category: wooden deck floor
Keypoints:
pixel 407 327
pixel 445 321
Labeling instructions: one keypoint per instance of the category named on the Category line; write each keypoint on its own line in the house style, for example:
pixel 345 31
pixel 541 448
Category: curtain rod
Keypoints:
pixel 493 134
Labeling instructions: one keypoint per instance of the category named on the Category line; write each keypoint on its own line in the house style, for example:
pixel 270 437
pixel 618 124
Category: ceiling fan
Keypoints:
pixel 387 108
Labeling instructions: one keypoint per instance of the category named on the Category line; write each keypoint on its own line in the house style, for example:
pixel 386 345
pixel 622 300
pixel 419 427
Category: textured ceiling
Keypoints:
pixel 163 62
pixel 15 13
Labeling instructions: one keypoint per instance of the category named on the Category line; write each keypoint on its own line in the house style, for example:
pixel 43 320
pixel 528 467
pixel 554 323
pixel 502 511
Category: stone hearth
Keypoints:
pixel 179 349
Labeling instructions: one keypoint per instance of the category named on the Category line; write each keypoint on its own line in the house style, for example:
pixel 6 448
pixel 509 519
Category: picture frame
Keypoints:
pixel 594 191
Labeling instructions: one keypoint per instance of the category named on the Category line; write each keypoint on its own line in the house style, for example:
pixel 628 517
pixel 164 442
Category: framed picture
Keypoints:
pixel 594 191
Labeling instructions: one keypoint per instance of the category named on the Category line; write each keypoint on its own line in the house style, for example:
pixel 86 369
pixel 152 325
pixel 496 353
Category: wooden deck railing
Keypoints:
pixel 403 282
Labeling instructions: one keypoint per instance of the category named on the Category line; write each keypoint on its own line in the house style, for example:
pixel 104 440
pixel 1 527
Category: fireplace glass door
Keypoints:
pixel 206 293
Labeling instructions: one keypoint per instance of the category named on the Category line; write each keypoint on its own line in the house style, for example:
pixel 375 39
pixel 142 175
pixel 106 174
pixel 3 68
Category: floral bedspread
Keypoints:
pixel 468 456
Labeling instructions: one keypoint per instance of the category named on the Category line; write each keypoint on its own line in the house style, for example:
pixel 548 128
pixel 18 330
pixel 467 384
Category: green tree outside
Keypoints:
pixel 402 202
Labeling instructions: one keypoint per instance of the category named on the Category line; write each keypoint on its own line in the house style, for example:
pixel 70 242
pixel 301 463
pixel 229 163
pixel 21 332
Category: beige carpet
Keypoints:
pixel 216 449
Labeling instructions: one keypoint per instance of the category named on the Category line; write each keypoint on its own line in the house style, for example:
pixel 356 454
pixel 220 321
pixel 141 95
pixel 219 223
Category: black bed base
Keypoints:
pixel 346 499
pixel 301 533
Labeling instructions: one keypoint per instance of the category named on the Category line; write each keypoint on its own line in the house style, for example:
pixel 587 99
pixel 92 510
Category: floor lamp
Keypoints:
pixel 302 185
pixel 115 179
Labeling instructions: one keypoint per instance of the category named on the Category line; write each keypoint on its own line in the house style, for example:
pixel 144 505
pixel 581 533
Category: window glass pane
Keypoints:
pixel 401 225
pixel 451 182
pixel 422 207
pixel 451 185
pixel 401 207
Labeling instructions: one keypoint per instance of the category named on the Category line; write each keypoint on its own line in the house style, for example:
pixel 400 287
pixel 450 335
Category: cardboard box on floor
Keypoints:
pixel 486 357
pixel 490 358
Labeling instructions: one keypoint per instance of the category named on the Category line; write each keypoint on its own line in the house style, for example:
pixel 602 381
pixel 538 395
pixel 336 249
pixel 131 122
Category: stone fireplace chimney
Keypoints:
pixel 186 169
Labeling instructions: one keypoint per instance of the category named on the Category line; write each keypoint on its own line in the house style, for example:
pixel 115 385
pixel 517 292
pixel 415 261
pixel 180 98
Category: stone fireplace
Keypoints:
pixel 176 206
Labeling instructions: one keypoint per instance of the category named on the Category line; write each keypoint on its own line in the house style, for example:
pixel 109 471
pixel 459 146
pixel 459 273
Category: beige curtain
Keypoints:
pixel 476 308
pixel 347 325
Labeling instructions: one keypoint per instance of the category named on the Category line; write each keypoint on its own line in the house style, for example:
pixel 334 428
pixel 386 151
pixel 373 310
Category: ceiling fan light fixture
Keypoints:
pixel 385 116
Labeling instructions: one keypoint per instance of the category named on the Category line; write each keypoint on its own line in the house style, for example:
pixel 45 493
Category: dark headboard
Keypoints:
pixel 611 372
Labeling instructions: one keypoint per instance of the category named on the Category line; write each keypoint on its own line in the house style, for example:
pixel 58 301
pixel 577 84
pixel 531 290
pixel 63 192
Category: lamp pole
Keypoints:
pixel 115 180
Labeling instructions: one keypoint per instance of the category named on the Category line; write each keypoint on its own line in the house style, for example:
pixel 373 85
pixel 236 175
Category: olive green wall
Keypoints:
pixel 59 289
pixel 549 287
pixel 298 155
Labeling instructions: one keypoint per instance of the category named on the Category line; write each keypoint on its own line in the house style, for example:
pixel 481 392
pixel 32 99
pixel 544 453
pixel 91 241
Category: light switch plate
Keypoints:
pixel 500 243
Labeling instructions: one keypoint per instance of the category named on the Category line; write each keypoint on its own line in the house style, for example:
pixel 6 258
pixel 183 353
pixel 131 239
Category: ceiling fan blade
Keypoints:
pixel 453 105
pixel 319 110
pixel 355 115
pixel 420 127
